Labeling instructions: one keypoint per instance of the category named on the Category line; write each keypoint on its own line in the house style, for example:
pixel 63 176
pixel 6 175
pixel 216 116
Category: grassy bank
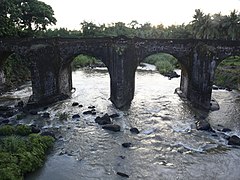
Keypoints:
pixel 84 61
pixel 21 152
pixel 164 63
pixel 228 73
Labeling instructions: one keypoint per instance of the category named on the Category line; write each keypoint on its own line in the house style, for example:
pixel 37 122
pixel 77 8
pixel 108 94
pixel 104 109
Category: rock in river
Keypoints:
pixel 112 127
pixel 203 125
pixel 134 130
pixel 103 120
pixel 234 140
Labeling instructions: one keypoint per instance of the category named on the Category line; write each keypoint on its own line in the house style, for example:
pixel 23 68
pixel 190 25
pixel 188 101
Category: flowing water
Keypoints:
pixel 167 147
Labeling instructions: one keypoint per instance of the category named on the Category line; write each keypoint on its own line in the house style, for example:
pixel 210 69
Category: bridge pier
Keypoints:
pixel 50 82
pixel 122 74
pixel 201 77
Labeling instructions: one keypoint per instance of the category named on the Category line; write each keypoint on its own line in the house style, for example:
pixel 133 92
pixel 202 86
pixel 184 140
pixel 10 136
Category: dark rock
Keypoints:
pixel 234 140
pixel 45 108
pixel 122 174
pixel 33 112
pixel 75 104
pixel 127 145
pixel 75 116
pixel 48 133
pixel 114 115
pixel 171 75
pixel 5 108
pixel 122 157
pixel 46 115
pixel 228 88
pixel 134 130
pixel 4 121
pixel 103 120
pixel 88 112
pixel 214 87
pixel 35 129
pixel 94 112
pixel 91 107
pixel 8 114
pixel 20 104
pixel 226 130
pixel 112 127
pixel 80 106
pixel 203 125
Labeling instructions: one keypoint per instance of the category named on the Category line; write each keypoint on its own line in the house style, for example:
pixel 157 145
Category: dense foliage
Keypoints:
pixel 164 62
pixel 227 73
pixel 16 71
pixel 20 151
pixel 203 26
pixel 24 17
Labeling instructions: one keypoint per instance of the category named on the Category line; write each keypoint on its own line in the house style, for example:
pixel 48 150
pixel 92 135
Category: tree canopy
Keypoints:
pixel 19 17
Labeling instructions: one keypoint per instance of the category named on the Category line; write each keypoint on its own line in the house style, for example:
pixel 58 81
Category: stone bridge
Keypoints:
pixel 50 64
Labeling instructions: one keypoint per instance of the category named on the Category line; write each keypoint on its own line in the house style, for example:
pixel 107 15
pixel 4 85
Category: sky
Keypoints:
pixel 70 13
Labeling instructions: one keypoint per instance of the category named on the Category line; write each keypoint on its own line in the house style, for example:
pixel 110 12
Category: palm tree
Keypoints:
pixel 232 23
pixel 197 23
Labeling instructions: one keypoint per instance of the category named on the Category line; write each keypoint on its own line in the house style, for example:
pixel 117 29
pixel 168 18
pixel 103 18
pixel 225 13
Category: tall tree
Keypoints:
pixel 24 15
pixel 232 23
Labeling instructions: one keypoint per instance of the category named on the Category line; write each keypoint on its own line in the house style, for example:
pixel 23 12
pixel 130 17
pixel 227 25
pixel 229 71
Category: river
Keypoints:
pixel 167 147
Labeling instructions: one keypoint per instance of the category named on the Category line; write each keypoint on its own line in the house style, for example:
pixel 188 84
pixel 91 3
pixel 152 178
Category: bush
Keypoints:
pixel 6 130
pixel 83 61
pixel 164 67
pixel 23 130
pixel 164 63
pixel 20 155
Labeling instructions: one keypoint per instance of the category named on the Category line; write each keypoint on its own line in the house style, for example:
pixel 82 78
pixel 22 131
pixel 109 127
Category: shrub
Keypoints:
pixel 6 130
pixel 20 155
pixel 23 130
pixel 164 62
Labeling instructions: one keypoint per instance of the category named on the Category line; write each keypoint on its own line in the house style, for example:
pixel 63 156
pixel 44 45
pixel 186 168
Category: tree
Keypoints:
pixel 232 23
pixel 24 16
pixel 35 15
pixel 8 16
pixel 197 23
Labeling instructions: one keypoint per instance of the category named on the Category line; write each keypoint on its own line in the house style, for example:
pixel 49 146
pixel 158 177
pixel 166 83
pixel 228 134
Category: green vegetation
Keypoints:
pixel 227 73
pixel 203 26
pixel 63 116
pixel 164 63
pixel 16 71
pixel 24 18
pixel 21 154
pixel 83 61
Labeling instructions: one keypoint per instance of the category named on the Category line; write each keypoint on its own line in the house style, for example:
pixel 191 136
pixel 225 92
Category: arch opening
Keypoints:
pixel 165 64
pixel 87 78
pixel 15 74
pixel 167 67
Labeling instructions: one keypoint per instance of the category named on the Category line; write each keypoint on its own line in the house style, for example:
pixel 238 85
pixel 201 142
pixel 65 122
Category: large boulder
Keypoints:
pixel 203 125
pixel 234 140
pixel 103 120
